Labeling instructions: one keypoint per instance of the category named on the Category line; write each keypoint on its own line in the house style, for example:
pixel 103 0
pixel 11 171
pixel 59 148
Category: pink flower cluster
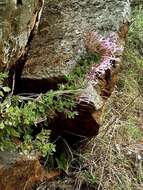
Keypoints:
pixel 109 49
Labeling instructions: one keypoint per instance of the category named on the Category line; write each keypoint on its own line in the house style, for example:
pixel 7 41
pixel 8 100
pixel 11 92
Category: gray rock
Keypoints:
pixel 68 30
pixel 17 20
pixel 59 42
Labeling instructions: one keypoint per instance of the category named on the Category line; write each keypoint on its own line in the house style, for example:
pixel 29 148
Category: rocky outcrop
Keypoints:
pixel 69 30
pixel 59 42
pixel 17 20
pixel 100 81
pixel 101 78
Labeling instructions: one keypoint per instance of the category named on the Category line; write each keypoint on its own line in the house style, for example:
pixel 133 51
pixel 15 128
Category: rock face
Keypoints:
pixel 100 81
pixel 17 20
pixel 69 30
pixel 59 42
pixel 19 172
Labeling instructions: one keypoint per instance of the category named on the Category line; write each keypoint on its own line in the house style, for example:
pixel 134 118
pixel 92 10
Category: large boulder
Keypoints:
pixel 59 42
pixel 69 30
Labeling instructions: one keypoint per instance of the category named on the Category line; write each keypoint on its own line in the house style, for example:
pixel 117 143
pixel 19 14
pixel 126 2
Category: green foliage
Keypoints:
pixel 42 143
pixel 133 53
pixel 20 117
pixel 131 131
pixel 76 79
pixel 63 163
pixel 3 76
pixel 90 178
pixel 3 88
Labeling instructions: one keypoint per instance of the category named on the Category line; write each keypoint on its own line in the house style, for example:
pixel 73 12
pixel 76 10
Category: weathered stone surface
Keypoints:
pixel 59 42
pixel 17 20
pixel 69 30
pixel 19 172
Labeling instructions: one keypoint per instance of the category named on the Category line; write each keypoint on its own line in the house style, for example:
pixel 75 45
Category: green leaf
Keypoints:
pixel 13 132
pixel 6 89
pixel 63 163
pixel 1 93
